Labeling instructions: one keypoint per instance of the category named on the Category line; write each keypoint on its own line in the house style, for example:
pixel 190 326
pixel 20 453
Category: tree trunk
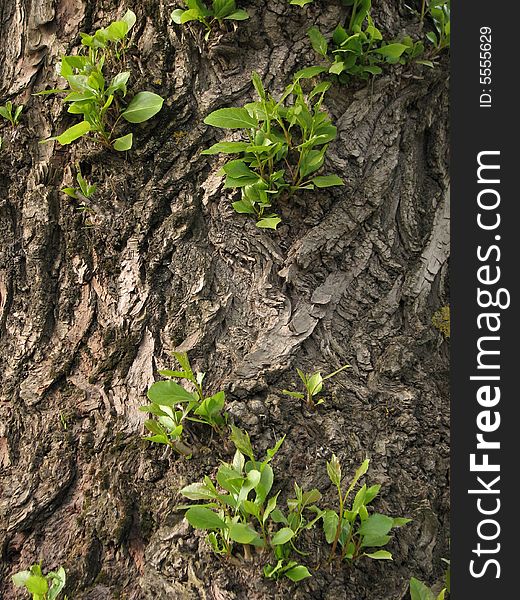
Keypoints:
pixel 89 313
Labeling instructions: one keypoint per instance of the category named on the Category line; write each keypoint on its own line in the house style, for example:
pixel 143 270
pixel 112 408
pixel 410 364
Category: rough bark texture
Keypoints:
pixel 87 315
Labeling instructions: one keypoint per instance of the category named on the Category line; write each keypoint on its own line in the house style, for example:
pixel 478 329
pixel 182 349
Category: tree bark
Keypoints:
pixel 88 314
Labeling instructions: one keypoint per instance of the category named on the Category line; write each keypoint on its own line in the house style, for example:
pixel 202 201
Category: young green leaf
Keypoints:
pixel 319 43
pixel 231 118
pixel 330 525
pixel 282 536
pixel 334 470
pixel 376 525
pixel 379 555
pixel 227 148
pixel 72 133
pixel 124 143
pixel 324 181
pixel 168 393
pixel 204 518
pixel 420 591
pixel 297 573
pixel 143 106
pixel 391 50
pixel 242 533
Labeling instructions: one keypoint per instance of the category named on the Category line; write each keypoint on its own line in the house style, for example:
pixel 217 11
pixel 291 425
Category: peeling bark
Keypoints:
pixel 88 315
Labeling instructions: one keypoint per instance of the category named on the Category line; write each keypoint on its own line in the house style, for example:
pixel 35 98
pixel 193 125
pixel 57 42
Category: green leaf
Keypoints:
pixel 227 148
pixel 269 223
pixel 70 192
pixel 73 133
pixel 330 525
pixel 426 63
pixel 168 393
pixel 20 578
pixel 319 43
pixel 391 50
pixel 197 491
pixel 282 536
pixel 259 87
pixel 265 484
pixel 400 521
pixel 117 31
pixel 238 15
pixel 309 72
pixel 376 525
pixel 244 207
pixel 372 492
pixel 144 106
pixel 379 555
pixel 271 505
pixel 242 533
pixel 37 585
pixel 176 16
pixel 375 541
pixel 57 580
pixel 204 518
pixel 420 591
pixel 212 406
pixel 154 427
pixel 231 118
pixel 357 475
pixel 170 373
pixel 123 143
pixel 327 181
pixel 242 441
pixel 337 67
pixel 129 18
pixel 339 35
pixel 277 516
pixel 183 360
pixel 297 573
pixel 300 3
pixel 222 8
pixel 334 470
pixel 158 439
pixel 189 15
pixel 373 70
pixel 237 169
pixel 118 83
pixel 315 383
pixel 298 395
pixel 432 37
pixel 359 499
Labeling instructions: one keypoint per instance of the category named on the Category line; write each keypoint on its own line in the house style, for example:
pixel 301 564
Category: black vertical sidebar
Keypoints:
pixel 485 318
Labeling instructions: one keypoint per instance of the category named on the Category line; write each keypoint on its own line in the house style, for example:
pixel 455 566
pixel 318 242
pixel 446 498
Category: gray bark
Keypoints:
pixel 88 315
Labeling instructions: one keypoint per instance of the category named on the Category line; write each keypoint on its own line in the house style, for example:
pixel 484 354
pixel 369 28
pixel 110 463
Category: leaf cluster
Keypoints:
pixel 283 145
pixel 99 97
pixel 351 530
pixel 42 587
pixel 359 49
pixel 220 11
pixel 172 404
pixel 313 385
pixel 10 113
pixel 440 13
pixel 239 509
